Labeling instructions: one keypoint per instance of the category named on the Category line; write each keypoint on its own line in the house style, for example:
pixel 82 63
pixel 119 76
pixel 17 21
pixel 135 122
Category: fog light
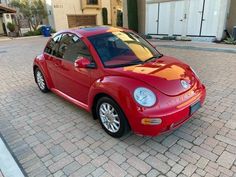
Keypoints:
pixel 151 121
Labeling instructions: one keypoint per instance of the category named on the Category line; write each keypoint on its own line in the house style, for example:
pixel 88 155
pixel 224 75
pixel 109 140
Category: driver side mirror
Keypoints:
pixel 83 62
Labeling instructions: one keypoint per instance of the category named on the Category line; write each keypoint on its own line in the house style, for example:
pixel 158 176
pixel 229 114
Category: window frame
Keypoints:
pixel 91 56
pixel 92 4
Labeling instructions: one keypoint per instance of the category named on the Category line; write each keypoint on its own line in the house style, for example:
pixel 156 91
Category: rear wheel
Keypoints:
pixel 111 117
pixel 40 80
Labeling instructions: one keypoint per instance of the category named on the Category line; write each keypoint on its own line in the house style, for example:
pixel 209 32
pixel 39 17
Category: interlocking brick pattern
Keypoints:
pixel 51 137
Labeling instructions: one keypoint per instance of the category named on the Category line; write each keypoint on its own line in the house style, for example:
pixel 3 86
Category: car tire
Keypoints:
pixel 113 121
pixel 40 80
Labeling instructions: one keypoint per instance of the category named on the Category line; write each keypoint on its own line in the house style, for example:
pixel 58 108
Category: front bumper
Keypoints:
pixel 170 119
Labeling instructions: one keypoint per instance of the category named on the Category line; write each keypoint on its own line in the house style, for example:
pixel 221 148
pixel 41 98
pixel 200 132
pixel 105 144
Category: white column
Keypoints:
pixel 125 14
pixel 222 18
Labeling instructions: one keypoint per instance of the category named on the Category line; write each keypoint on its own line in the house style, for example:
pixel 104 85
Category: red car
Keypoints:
pixel 120 78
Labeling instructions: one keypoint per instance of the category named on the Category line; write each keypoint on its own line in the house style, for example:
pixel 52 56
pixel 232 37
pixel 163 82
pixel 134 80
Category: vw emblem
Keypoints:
pixel 184 84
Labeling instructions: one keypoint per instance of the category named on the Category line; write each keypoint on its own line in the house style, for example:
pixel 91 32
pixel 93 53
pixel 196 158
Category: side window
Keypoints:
pixel 52 45
pixel 72 48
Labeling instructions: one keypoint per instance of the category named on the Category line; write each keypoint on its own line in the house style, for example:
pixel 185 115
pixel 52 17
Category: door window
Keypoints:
pixel 52 46
pixel 71 47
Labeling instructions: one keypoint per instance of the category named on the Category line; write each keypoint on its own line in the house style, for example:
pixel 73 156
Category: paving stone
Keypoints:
pixel 226 159
pixel 56 150
pixel 157 164
pixel 83 159
pixel 156 146
pixel 226 140
pixel 68 146
pixel 202 162
pixel 185 143
pixel 152 173
pixel 189 169
pixel 140 165
pixel 176 149
pixel 212 171
pixel 98 172
pixel 60 164
pixel 100 160
pixel 71 168
pixel 170 140
pixel 114 169
pixel 133 171
pixel 117 158
pixel 41 150
pixel 226 171
pixel 84 171
pixel 177 168
pixel 207 154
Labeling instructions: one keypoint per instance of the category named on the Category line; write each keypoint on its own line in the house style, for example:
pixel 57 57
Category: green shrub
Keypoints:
pixel 33 33
pixel 230 40
pixel 53 31
pixel 11 27
pixel 168 38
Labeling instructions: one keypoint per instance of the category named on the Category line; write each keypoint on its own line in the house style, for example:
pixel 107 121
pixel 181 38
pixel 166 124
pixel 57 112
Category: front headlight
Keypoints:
pixel 144 97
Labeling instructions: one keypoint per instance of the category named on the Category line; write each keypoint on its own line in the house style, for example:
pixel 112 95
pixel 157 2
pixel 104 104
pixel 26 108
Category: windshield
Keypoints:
pixel 117 49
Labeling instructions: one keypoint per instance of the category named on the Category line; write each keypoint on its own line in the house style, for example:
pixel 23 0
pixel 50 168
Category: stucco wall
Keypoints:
pixel 62 8
pixel 232 16
pixel 107 4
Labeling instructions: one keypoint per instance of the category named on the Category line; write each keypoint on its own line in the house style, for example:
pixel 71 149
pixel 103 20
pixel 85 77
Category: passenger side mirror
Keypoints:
pixel 83 62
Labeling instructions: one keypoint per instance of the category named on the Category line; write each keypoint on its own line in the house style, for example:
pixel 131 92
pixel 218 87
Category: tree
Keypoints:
pixel 33 10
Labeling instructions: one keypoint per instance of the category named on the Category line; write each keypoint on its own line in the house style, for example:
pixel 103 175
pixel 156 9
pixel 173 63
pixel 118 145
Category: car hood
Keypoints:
pixel 167 74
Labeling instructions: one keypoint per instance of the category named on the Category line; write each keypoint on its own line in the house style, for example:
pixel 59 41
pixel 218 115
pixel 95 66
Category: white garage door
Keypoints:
pixel 152 18
pixel 164 18
pixel 178 17
pixel 202 17
pixel 211 18
pixel 195 17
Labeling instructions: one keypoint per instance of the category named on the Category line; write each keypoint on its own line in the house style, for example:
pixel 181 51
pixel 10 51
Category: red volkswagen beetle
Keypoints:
pixel 121 78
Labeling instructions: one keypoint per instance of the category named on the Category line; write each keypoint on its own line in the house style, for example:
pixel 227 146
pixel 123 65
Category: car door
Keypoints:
pixel 74 82
pixel 51 57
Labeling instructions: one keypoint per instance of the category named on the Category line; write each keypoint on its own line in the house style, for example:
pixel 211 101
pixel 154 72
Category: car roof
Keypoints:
pixel 86 31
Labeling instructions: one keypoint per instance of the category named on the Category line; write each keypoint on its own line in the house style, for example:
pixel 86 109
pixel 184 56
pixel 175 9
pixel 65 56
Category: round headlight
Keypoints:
pixel 144 97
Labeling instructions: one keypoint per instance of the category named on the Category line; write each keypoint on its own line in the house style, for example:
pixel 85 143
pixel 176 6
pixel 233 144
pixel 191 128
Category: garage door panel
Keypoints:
pixel 195 17
pixel 164 18
pixel 179 17
pixel 81 20
pixel 152 18
pixel 211 17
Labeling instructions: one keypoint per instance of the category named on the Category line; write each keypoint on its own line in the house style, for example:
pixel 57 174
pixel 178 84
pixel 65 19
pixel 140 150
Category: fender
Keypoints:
pixel 120 89
pixel 40 62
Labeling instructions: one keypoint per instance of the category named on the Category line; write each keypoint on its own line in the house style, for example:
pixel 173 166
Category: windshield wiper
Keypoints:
pixel 153 57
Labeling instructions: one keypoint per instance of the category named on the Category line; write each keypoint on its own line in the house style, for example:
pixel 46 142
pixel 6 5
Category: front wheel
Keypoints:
pixel 40 80
pixel 111 117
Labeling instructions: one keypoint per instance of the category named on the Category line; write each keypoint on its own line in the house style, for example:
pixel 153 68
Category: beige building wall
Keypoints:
pixel 107 4
pixel 232 16
pixel 141 16
pixel 1 27
pixel 62 8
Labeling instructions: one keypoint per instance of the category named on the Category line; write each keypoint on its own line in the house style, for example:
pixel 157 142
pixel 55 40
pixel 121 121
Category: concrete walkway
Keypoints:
pixel 8 165
pixel 191 45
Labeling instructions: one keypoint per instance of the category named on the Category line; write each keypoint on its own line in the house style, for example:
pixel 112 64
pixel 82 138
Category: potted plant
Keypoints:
pixel 11 27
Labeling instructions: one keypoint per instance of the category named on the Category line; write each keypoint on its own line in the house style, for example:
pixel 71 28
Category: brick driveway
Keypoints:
pixel 51 137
